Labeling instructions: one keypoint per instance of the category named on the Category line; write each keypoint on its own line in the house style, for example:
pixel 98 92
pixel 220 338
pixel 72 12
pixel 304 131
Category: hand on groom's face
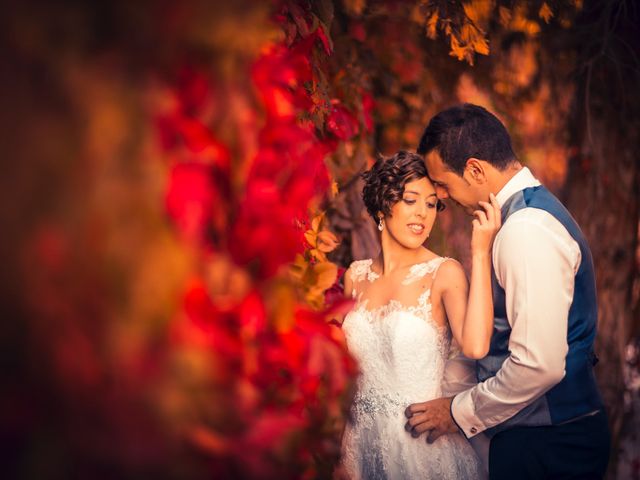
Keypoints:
pixel 433 416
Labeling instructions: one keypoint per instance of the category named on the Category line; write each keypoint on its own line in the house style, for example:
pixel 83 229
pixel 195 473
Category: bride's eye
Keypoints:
pixel 408 201
pixel 431 205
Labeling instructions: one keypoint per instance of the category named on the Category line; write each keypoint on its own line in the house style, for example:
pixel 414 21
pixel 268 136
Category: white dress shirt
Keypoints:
pixel 535 261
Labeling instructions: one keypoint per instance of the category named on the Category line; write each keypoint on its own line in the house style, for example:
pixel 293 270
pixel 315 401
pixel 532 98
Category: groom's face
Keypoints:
pixel 449 184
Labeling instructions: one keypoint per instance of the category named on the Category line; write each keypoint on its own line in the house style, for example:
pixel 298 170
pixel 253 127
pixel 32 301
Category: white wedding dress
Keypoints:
pixel 401 353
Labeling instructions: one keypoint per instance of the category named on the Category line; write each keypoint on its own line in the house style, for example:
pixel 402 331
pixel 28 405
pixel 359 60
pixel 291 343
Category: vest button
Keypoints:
pixel 474 430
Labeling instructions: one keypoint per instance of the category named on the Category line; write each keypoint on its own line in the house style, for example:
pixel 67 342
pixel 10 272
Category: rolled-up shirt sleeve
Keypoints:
pixel 535 260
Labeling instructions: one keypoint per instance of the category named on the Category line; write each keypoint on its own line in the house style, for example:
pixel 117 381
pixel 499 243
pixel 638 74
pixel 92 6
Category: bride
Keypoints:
pixel 410 302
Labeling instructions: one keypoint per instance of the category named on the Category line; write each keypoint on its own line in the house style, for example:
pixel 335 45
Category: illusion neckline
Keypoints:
pixel 411 267
pixel 423 310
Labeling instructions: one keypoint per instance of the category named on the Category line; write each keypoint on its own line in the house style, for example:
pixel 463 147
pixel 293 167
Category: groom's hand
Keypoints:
pixel 433 416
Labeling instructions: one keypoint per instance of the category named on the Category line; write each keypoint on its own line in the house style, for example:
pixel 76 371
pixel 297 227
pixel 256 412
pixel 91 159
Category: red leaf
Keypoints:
pixel 190 198
pixel 367 109
pixel 326 43
pixel 341 122
pixel 193 90
pixel 252 315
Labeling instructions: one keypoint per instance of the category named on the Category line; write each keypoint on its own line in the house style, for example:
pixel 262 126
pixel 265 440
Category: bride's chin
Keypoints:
pixel 414 244
pixel 410 242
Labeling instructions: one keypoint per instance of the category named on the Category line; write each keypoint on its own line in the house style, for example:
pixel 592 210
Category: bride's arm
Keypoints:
pixel 471 318
pixel 348 283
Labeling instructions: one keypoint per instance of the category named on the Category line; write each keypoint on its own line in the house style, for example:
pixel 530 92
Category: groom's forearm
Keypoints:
pixel 499 398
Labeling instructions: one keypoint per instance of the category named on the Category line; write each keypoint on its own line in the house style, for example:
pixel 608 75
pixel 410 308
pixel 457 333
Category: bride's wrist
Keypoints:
pixel 480 255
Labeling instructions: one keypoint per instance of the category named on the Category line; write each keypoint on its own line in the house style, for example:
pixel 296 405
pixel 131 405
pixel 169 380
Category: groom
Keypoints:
pixel 536 398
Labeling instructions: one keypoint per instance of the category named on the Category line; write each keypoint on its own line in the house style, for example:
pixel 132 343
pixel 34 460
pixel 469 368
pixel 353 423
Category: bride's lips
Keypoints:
pixel 416 228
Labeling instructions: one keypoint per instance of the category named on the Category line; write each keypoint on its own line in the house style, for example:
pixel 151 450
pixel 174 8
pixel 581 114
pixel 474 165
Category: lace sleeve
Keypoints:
pixel 459 374
pixel 359 271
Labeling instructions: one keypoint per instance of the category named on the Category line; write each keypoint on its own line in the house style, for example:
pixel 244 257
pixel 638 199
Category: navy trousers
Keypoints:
pixel 574 450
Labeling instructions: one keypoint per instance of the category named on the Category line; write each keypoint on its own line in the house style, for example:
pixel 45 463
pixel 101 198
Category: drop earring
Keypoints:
pixel 380 225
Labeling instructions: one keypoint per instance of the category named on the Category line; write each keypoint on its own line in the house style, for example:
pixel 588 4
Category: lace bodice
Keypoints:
pixel 401 352
pixel 399 347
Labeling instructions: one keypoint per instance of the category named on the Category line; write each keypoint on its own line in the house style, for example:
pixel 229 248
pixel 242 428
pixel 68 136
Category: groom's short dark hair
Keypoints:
pixel 466 131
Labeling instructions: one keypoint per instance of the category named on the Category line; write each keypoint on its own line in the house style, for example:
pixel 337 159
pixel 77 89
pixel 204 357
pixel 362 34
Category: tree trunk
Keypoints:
pixel 603 192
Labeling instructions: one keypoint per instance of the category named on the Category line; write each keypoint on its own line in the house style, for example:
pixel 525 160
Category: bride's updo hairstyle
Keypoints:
pixel 384 183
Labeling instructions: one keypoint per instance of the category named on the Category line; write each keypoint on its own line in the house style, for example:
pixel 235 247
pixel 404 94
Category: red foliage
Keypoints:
pixel 190 198
pixel 341 122
pixel 288 378
pixel 279 77
pixel 335 294
pixel 367 110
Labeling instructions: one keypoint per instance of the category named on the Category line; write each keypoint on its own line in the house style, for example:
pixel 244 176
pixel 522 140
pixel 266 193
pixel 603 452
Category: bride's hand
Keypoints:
pixel 485 225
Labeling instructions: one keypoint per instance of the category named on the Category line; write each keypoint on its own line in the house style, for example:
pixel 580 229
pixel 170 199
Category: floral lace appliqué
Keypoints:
pixel 421 310
pixel 419 270
pixel 361 269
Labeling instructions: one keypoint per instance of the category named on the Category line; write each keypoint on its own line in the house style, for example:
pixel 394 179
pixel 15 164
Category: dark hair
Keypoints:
pixel 384 183
pixel 466 131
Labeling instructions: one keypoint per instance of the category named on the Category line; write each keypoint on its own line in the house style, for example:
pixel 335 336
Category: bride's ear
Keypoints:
pixel 474 171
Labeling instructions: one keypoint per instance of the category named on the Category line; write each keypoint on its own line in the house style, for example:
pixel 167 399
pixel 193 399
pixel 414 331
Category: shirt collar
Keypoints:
pixel 521 180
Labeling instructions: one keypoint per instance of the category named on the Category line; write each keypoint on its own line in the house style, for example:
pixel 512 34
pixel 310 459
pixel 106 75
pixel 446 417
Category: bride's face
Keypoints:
pixel 412 217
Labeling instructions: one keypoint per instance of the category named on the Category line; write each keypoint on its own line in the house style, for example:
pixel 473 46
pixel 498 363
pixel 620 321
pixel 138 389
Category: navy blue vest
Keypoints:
pixel 577 393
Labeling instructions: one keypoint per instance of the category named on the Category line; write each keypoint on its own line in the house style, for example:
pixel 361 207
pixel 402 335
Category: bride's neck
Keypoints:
pixel 394 256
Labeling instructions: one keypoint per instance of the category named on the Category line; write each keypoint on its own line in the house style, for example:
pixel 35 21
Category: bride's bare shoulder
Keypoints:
pixel 450 274
pixel 450 263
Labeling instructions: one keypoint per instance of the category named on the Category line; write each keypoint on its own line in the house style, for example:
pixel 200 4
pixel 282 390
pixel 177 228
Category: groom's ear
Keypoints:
pixel 475 171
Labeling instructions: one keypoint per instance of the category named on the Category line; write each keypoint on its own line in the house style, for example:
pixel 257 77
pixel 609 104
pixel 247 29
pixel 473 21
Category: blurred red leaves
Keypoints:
pixel 191 197
pixel 335 294
pixel 367 111
pixel 279 76
pixel 341 122
pixel 284 384
pixel 281 365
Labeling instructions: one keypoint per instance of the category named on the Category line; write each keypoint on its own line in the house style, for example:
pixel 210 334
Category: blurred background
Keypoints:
pixel 180 194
